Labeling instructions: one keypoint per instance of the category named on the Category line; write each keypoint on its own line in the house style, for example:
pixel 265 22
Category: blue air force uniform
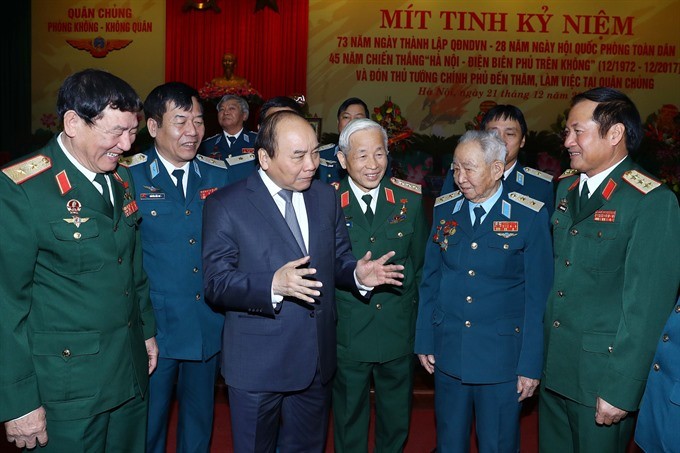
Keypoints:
pixel 526 180
pixel 329 170
pixel 482 299
pixel 240 157
pixel 189 331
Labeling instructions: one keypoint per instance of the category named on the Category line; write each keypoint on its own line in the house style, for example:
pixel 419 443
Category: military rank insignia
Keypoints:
pixel 445 229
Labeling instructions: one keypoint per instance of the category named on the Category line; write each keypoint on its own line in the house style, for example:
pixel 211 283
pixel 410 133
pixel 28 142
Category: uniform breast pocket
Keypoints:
pixel 606 251
pixel 75 249
pixel 506 256
pixel 156 219
pixel 66 365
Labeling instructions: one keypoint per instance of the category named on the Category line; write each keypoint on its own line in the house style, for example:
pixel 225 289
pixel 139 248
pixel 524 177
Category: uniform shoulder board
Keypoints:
pixel 210 161
pixel 539 174
pixel 131 161
pixel 212 137
pixel 524 200
pixel 568 172
pixel 25 170
pixel 240 159
pixel 640 181
pixel 410 186
pixel 336 185
pixel 447 197
pixel 327 146
pixel 326 162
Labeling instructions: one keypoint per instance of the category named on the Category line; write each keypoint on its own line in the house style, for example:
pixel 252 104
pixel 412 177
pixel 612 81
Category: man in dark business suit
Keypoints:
pixel 274 247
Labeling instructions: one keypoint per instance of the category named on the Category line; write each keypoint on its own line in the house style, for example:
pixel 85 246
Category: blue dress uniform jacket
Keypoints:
pixel 241 157
pixel 73 295
pixel 617 269
pixel 188 328
pixel 657 423
pixel 329 170
pixel 483 292
pixel 525 180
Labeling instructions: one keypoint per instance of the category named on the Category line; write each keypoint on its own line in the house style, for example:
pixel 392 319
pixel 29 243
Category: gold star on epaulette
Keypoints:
pixel 568 172
pixel 447 197
pixel 640 181
pixel 210 161
pixel 524 200
pixel 410 186
pixel 131 161
pixel 25 170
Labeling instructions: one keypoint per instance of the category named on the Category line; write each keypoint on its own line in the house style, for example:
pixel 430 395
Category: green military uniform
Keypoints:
pixel 376 334
pixel 617 270
pixel 73 295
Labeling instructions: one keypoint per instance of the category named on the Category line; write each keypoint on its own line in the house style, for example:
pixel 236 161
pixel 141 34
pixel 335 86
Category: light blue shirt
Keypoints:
pixel 487 205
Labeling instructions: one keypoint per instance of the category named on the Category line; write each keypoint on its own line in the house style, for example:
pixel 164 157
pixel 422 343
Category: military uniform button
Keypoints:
pixel 192 241
pixel 567 263
pixel 400 234
pixel 120 260
pixel 195 270
pixel 560 293
pixel 378 306
pixel 187 212
pixel 599 234
pixel 468 299
pixel 126 293
pixel 557 222
pixel 474 246
pixel 468 323
pixel 154 213
pixel 677 308
pixel 517 329
pixel 610 349
pixel 198 296
pixel 372 239
pixel 66 353
pixel 129 324
pixel 665 337
pixel 506 246
pixel 312 314
pixel 574 232
pixel 656 367
pixel 556 324
pixel 77 235
pixel 471 273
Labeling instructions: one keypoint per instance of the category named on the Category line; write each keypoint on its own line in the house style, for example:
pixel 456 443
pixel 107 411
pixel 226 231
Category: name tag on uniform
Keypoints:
pixel 152 196
pixel 604 216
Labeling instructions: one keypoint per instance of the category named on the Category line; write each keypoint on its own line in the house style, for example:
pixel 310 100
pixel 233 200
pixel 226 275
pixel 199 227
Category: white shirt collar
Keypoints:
pixel 595 181
pixel 169 167
pixel 237 135
pixel 358 193
pixel 89 174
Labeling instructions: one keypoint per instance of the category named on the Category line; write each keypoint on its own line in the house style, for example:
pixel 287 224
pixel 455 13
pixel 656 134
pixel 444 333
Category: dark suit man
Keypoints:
pixel 235 144
pixel 509 123
pixel 172 184
pixel 77 330
pixel 657 427
pixel 274 248
pixel 375 336
pixel 617 269
pixel 482 297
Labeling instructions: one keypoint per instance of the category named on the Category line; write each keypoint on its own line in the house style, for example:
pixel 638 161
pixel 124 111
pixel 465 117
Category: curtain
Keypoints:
pixel 270 47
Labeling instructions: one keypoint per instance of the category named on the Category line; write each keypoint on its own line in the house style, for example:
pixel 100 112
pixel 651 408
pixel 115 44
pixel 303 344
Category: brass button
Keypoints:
pixel 557 221
pixel 599 234
pixel 468 323
pixel 677 308
pixel 665 337
pixel 474 246
pixel 657 367
pixel 560 293
pixel 198 296
pixel 126 293
pixel 400 234
pixel 468 299
pixel 66 353
pixel 77 235
pixel 187 212
pixel 556 324
pixel 506 246
pixel 192 241
pixel 574 232
pixel 610 349
pixel 567 263
pixel 471 273
pixel 195 270
pixel 378 306
pixel 129 324
pixel 154 213
pixel 517 329
pixel 120 260
pixel 372 239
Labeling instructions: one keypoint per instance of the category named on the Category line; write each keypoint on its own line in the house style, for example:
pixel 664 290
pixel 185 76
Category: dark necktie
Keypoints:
pixel 231 139
pixel 99 177
pixel 179 175
pixel 369 212
pixel 583 199
pixel 291 219
pixel 479 212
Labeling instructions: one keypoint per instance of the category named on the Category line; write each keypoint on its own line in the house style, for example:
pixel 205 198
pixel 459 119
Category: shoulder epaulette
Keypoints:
pixel 240 159
pixel 447 197
pixel 326 162
pixel 527 201
pixel 336 185
pixel 327 146
pixel 539 174
pixel 210 161
pixel 640 181
pixel 410 186
pixel 214 136
pixel 25 170
pixel 568 172
pixel 131 161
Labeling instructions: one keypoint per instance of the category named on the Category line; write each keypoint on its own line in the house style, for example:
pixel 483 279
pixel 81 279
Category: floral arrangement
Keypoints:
pixel 389 117
pixel 660 150
pixel 214 92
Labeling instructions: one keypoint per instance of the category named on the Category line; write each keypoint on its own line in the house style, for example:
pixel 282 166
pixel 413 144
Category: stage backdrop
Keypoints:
pixel 126 38
pixel 441 60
